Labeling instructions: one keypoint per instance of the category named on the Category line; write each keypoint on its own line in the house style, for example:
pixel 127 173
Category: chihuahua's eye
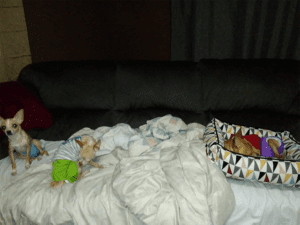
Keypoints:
pixel 15 125
pixel 3 127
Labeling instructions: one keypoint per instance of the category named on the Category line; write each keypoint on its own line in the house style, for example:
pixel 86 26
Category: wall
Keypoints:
pixel 98 30
pixel 14 45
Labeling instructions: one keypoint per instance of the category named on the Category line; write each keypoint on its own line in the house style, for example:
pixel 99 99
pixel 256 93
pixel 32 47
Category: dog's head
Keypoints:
pixel 12 126
pixel 89 147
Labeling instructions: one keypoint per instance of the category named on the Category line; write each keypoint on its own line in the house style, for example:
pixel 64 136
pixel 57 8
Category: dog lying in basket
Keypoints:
pixel 240 145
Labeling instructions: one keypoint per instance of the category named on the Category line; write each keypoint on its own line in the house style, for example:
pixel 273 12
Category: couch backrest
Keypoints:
pixel 262 84
pixel 87 84
pixel 174 85
pixel 227 84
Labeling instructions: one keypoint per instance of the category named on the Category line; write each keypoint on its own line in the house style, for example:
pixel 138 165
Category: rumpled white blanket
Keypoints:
pixel 157 174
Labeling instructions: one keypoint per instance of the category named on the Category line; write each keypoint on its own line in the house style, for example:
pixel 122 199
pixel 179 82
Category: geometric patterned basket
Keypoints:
pixel 263 169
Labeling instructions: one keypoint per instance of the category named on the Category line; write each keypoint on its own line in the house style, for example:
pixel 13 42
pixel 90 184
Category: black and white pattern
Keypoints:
pixel 262 169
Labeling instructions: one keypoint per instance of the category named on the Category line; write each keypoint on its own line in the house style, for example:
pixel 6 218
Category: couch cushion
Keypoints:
pixel 72 85
pixel 252 83
pixel 136 118
pixel 69 121
pixel 173 85
pixel 14 97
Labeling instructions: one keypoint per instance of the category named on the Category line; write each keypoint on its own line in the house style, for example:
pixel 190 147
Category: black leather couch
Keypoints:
pixel 262 93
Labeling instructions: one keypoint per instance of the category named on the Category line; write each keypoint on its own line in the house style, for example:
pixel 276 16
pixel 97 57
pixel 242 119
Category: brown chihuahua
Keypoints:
pixel 20 141
pixel 240 145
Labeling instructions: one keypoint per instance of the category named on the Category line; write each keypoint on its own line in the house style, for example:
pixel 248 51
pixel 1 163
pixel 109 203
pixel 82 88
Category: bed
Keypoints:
pixel 153 149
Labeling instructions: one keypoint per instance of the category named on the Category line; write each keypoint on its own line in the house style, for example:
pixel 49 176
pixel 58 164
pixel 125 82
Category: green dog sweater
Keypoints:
pixel 64 170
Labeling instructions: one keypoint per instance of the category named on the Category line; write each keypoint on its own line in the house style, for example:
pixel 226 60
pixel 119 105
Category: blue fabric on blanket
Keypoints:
pixel 34 151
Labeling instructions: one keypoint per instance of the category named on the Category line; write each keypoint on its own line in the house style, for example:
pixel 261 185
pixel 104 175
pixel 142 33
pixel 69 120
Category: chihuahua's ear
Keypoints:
pixel 97 145
pixel 19 116
pixel 79 142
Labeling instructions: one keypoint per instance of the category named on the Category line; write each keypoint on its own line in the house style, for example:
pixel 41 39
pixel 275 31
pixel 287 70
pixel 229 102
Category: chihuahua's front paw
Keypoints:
pixel 82 175
pixel 27 165
pixel 45 152
pixel 39 158
pixel 14 173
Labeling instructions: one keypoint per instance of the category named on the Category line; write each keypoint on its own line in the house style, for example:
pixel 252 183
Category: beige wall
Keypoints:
pixel 14 46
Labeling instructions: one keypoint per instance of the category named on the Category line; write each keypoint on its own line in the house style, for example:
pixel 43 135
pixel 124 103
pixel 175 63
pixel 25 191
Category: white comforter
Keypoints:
pixel 157 174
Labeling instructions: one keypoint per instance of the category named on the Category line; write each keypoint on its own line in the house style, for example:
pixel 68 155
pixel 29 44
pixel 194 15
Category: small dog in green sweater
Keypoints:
pixel 69 170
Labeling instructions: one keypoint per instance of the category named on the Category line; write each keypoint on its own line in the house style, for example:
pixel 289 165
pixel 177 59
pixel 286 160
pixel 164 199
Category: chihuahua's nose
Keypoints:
pixel 9 132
